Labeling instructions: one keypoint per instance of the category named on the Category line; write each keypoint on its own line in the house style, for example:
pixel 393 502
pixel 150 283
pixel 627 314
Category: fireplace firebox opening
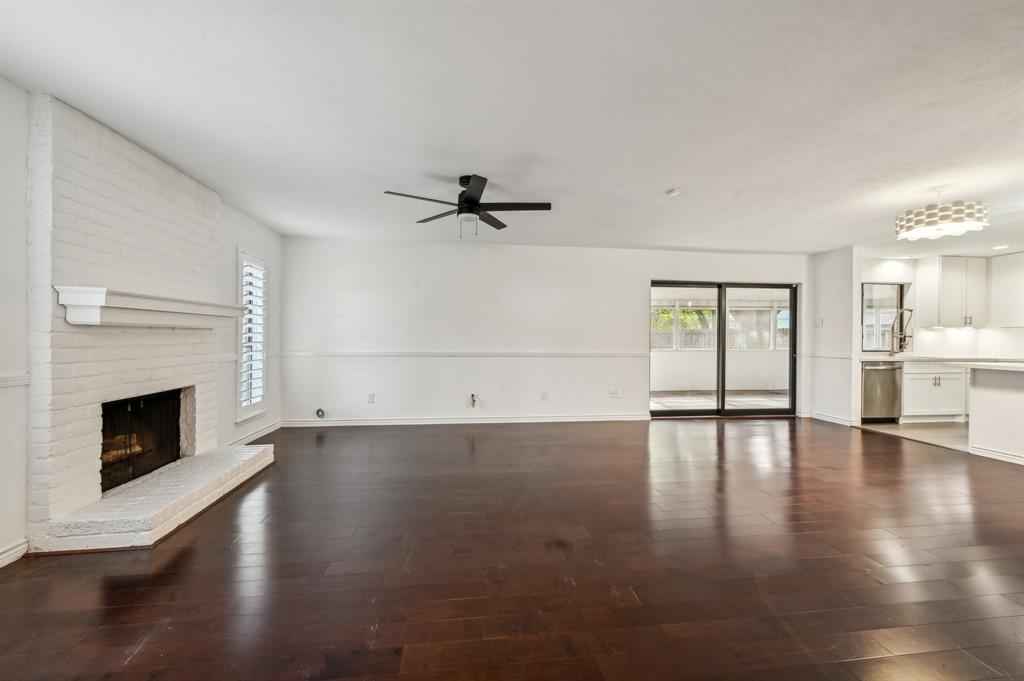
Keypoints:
pixel 140 434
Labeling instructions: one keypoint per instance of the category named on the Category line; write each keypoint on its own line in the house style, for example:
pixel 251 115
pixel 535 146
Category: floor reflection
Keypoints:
pixel 728 548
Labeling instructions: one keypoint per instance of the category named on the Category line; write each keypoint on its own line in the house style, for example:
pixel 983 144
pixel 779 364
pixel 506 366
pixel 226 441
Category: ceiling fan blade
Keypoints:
pixel 421 198
pixel 445 214
pixel 475 190
pixel 514 206
pixel 492 221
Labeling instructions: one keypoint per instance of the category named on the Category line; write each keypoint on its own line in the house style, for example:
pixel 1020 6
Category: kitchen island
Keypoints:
pixel 996 425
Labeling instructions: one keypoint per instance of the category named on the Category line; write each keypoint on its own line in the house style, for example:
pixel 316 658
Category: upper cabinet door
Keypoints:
pixel 925 290
pixel 952 276
pixel 951 291
pixel 976 292
pixel 1006 290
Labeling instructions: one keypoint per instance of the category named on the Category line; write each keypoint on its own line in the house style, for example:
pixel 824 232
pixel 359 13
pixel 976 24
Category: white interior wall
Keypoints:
pixel 240 232
pixel 697 369
pixel 887 271
pixel 422 326
pixel 835 278
pixel 939 342
pixel 987 342
pixel 684 370
pixel 1001 342
pixel 14 129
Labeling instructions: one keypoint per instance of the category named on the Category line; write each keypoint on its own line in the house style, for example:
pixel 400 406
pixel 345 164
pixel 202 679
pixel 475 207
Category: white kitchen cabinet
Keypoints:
pixel 934 393
pixel 950 395
pixel 976 291
pixel 926 293
pixel 917 394
pixel 1006 290
pixel 951 291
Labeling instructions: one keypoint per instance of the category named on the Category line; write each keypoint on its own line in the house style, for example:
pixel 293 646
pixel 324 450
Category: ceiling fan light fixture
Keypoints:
pixel 937 220
pixel 469 220
pixel 470 210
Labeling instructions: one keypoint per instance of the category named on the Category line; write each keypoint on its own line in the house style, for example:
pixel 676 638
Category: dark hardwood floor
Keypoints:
pixel 774 549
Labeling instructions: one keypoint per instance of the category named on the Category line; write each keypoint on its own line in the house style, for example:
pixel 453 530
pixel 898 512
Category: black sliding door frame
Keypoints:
pixel 721 349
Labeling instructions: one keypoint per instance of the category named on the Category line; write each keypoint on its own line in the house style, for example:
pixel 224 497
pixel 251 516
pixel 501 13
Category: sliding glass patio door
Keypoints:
pixel 684 349
pixel 722 349
pixel 760 362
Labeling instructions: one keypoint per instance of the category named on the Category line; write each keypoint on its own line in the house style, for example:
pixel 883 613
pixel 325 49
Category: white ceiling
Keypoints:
pixel 980 244
pixel 787 126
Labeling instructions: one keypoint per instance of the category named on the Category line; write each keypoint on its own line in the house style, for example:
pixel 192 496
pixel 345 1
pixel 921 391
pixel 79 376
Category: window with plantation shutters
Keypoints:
pixel 251 365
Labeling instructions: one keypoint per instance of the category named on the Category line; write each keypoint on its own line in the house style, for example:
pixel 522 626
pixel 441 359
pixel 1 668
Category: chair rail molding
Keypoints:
pixel 459 353
pixel 14 380
pixel 98 306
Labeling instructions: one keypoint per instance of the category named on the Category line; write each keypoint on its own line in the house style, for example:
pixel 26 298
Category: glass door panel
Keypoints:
pixel 758 354
pixel 684 349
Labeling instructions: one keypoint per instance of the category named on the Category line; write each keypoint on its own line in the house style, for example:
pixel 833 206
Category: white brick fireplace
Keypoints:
pixel 106 216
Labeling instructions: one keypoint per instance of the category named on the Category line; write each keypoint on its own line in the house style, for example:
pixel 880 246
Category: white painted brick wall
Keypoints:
pixel 104 212
pixel 41 218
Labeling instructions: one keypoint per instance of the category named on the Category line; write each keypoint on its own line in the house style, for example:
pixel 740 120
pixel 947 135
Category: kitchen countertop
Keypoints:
pixel 993 366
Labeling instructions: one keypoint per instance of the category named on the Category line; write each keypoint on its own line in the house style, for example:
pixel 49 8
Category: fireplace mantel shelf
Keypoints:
pixel 98 306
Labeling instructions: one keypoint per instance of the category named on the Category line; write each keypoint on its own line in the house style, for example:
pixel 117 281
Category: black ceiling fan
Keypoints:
pixel 469 208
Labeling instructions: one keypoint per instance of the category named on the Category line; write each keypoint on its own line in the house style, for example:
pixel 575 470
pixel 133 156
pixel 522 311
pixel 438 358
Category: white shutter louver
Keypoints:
pixel 251 364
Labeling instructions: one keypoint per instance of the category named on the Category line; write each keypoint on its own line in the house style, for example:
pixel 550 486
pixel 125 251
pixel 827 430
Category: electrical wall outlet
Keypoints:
pixel 615 394
pixel 544 397
pixel 371 398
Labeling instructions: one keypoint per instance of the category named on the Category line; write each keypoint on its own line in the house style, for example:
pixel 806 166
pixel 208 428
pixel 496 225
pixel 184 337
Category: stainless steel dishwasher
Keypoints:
pixel 881 391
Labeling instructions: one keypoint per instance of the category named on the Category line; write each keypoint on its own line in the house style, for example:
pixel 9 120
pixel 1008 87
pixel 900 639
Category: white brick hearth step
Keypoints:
pixel 139 513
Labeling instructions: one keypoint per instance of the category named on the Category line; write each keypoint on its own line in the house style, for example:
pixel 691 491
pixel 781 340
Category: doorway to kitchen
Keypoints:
pixel 722 349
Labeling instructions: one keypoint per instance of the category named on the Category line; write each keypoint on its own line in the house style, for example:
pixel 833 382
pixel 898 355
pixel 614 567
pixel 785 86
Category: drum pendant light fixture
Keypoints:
pixel 940 219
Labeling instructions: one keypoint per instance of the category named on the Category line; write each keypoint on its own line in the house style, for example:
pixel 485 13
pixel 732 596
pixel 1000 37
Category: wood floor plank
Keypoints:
pixel 707 549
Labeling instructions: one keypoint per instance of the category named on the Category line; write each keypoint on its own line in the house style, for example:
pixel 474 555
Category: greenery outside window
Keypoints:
pixel 782 329
pixel 662 327
pixel 680 325
pixel 698 328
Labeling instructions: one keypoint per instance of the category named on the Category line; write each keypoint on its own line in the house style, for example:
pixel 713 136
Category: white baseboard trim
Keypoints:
pixel 831 419
pixel 1010 457
pixel 246 439
pixel 961 418
pixel 300 423
pixel 13 552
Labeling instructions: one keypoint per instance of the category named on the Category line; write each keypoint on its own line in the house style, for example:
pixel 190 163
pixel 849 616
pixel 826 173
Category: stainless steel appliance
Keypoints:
pixel 881 391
